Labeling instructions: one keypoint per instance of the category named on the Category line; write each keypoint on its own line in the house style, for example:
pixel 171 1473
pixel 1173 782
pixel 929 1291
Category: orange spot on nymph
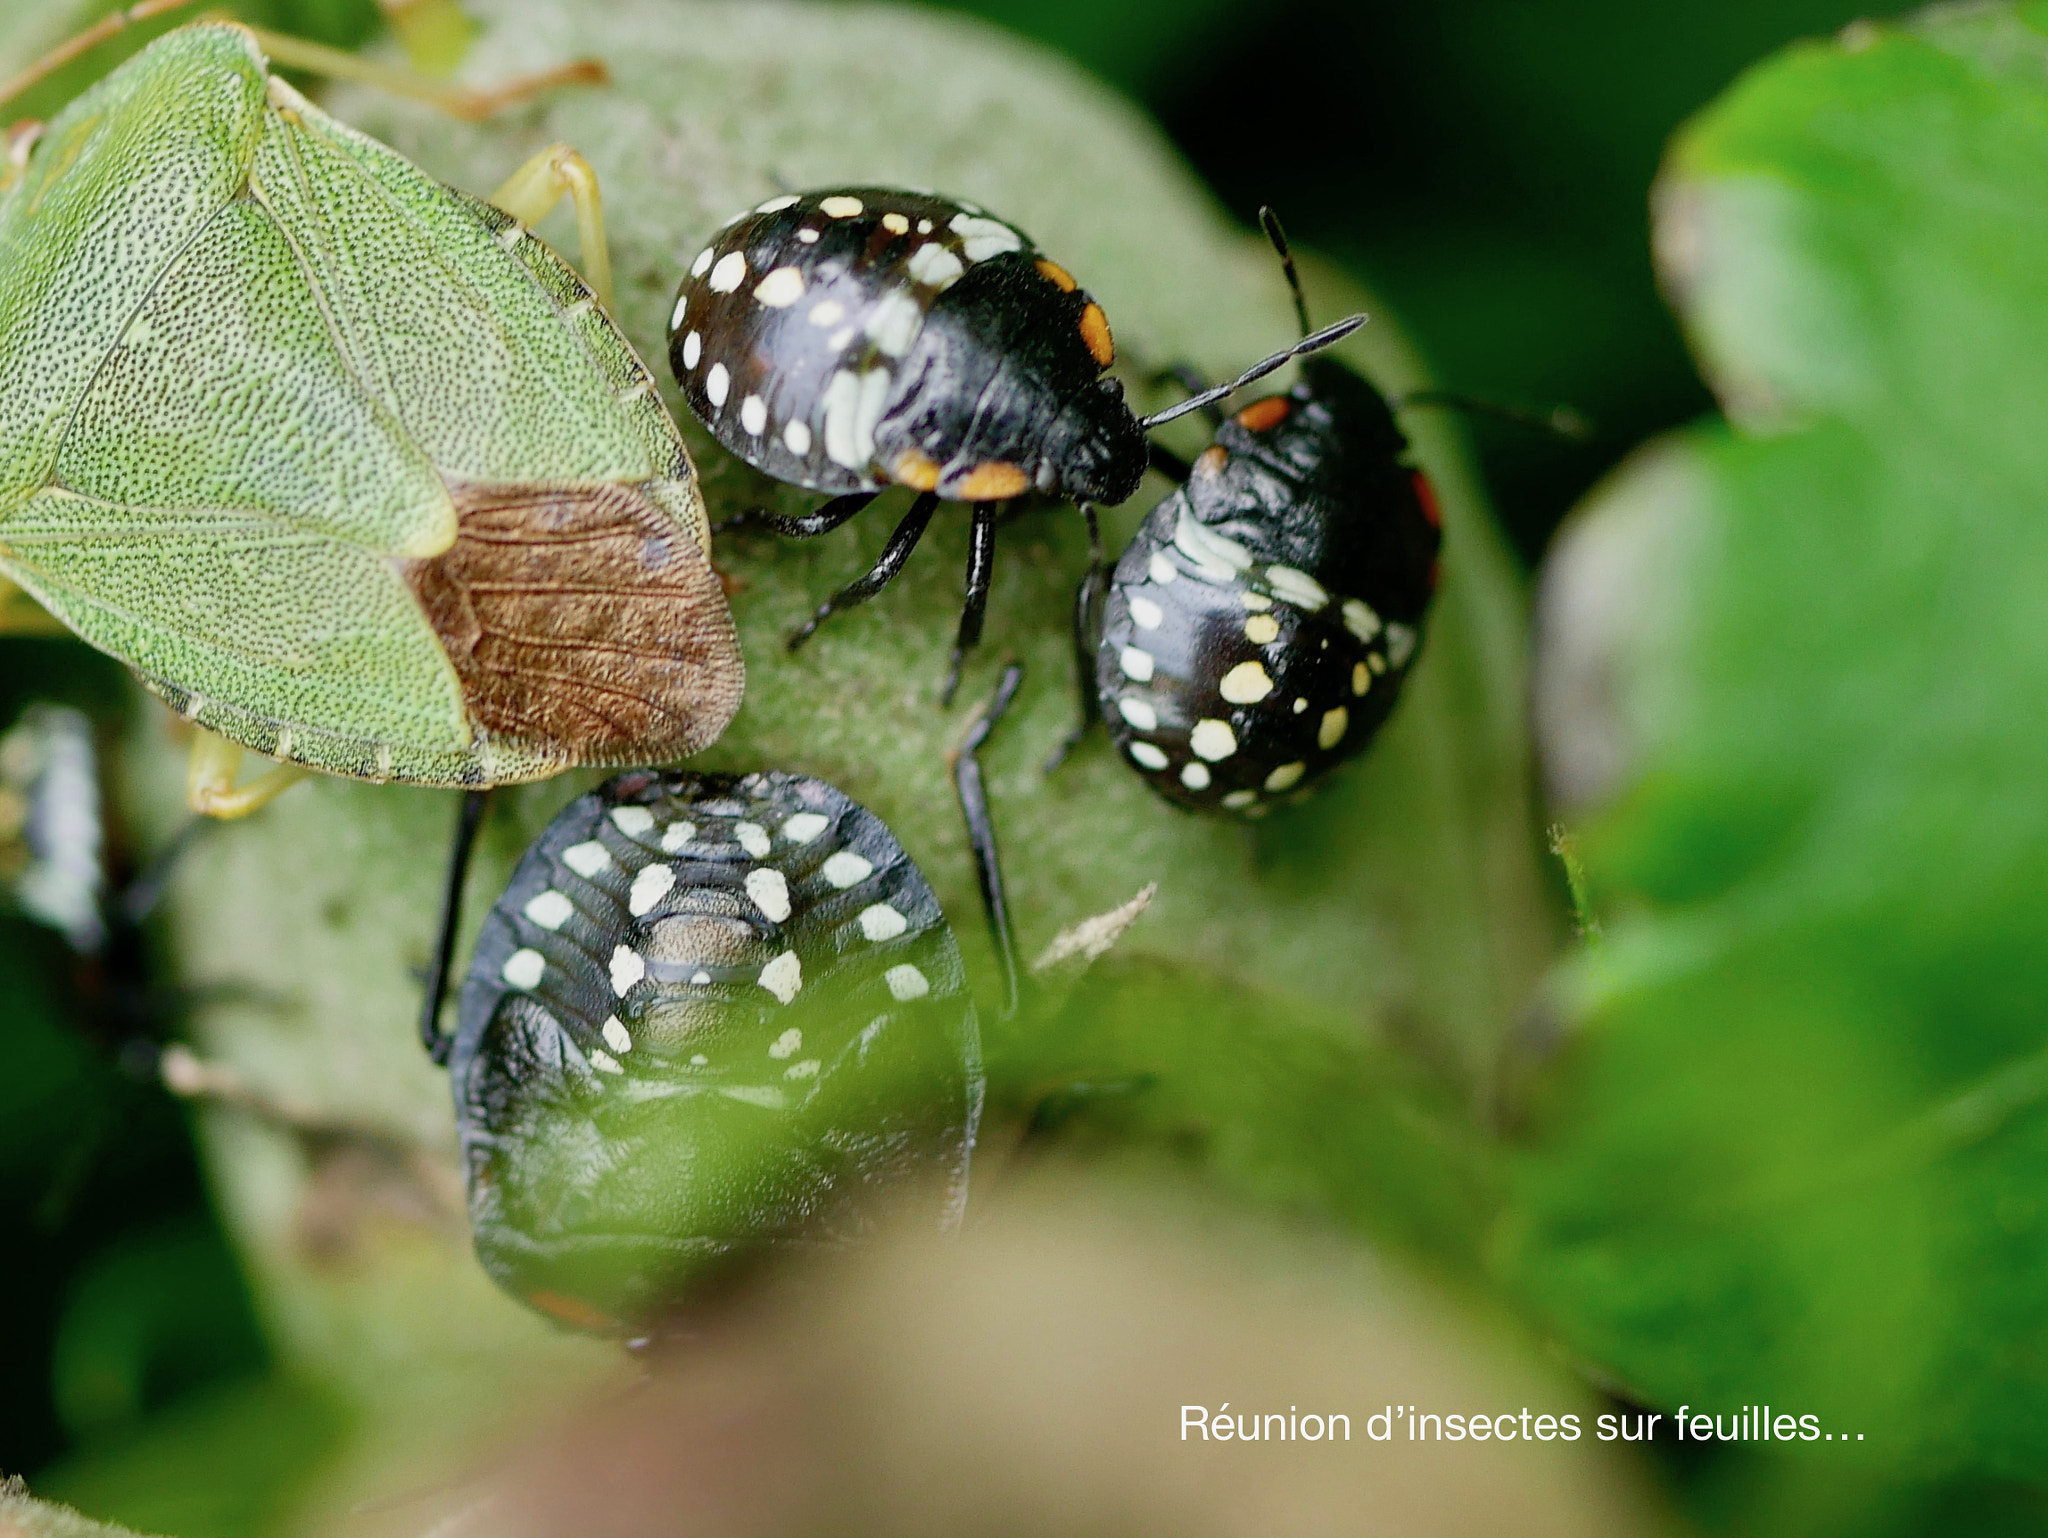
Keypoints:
pixel 991 482
pixel 1095 332
pixel 1057 275
pixel 916 469
pixel 1211 460
pixel 1260 415
pixel 571 1311
pixel 1426 495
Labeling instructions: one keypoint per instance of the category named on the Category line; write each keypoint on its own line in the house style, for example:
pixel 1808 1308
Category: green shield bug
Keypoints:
pixel 346 464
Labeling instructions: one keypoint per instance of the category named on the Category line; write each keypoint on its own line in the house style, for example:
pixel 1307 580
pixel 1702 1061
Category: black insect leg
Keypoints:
pixel 879 576
pixel 981 568
pixel 822 519
pixel 1088 602
pixel 981 829
pixel 438 1042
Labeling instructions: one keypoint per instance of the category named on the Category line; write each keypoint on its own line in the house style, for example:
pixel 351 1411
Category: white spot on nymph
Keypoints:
pixel 807 1069
pixel 894 322
pixel 752 837
pixel 1296 587
pixel 1253 600
pixel 776 205
pixel 786 1044
pixel 1361 678
pixel 1220 558
pixel 924 226
pixel 781 288
pixel 1376 662
pixel 632 820
pixel 1146 755
pixel 882 922
pixel 934 266
pixel 804 827
pixel 1360 620
pixel 984 238
pixel 525 968
pixel 675 317
pixel 1160 569
pixel 703 261
pixel 605 1062
pixel 1331 731
pixel 896 224
pixel 1300 704
pixel 587 859
pixel 770 893
pixel 698 1060
pixel 1286 777
pixel 753 415
pixel 677 834
pixel 700 979
pixel 798 437
pixel 827 312
pixel 1138 712
pixel 841 403
pixel 807 235
pixel 1246 684
pixel 1136 663
pixel 628 968
pixel 874 395
pixel 1146 614
pixel 846 869
pixel 1400 644
pixel 1213 740
pixel 650 887
pixel 729 274
pixel 906 982
pixel 1238 800
pixel 550 909
pixel 840 207
pixel 837 341
pixel 616 1036
pixel 1261 628
pixel 783 976
pixel 716 382
pixel 693 349
pixel 1195 776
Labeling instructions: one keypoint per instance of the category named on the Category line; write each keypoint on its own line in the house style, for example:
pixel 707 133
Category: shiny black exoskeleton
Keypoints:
pixel 708 1012
pixel 854 338
pixel 1256 631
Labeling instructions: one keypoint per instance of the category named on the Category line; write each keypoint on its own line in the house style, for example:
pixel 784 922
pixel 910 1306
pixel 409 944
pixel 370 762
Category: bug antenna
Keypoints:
pixel 981 830
pixel 91 37
pixel 1270 223
pixel 1315 341
pixel 467 821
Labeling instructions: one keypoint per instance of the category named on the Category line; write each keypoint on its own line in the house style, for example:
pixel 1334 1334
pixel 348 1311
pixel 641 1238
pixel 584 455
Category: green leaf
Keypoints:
pixel 1793 1150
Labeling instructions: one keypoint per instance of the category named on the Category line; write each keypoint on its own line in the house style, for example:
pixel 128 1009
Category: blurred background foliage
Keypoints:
pixel 1484 165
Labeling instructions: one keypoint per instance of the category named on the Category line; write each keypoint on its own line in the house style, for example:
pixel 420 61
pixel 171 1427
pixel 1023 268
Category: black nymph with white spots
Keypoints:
pixel 857 338
pixel 708 1012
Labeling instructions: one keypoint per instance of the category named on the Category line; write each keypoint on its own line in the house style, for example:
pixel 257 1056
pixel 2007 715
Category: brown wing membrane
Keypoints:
pixel 585 618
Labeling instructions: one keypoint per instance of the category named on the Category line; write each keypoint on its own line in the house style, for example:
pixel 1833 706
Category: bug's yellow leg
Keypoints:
pixel 530 192
pixel 470 103
pixel 435 32
pixel 91 37
pixel 210 788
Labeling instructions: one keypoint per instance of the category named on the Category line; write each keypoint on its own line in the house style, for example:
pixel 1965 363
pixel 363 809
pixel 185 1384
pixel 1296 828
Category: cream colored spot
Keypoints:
pixel 896 224
pixel 525 968
pixel 753 415
pixel 693 349
pixel 1138 712
pixel 770 893
pixel 882 922
pixel 1219 557
pixel 1238 800
pixel 826 312
pixel 1331 732
pixel 906 982
pixel 1246 684
pixel 703 261
pixel 716 382
pixel 804 827
pixel 1146 614
pixel 752 837
pixel 894 322
pixel 798 437
pixel 786 1044
pixel 632 820
pixel 1360 620
pixel 807 235
pixel 628 967
pixel 1160 569
pixel 781 288
pixel 677 834
pixel 776 205
pixel 1261 628
pixel 1213 740
pixel 846 869
pixel 934 266
pixel 1400 645
pixel 1146 756
pixel 842 405
pixel 1136 664
pixel 1300 705
pixel 1377 663
pixel 675 318
pixel 587 859
pixel 1253 600
pixel 1286 777
pixel 840 207
pixel 1297 588
pixel 550 909
pixel 1361 678
pixel 1195 776
pixel 605 1062
pixel 616 1036
pixel 650 887
pixel 924 226
pixel 981 239
pixel 783 977
pixel 729 274
pixel 807 1069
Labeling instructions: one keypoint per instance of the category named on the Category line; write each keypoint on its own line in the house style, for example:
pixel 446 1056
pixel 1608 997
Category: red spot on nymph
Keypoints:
pixel 1426 495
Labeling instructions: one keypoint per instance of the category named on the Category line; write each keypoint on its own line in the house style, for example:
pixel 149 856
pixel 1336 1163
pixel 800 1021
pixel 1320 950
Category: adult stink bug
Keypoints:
pixel 707 1013
pixel 346 464
pixel 1257 628
pixel 856 338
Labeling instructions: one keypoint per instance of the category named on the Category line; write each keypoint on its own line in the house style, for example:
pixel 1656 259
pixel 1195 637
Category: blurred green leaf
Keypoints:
pixel 1795 1151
